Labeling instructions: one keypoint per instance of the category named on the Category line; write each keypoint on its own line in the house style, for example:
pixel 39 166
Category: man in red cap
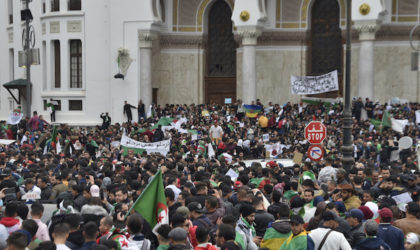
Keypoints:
pixel 392 236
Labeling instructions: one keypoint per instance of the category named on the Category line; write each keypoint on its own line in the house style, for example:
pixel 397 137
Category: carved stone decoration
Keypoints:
pixel 124 60
pixel 249 35
pixel 55 27
pixel 367 29
pixel 221 44
pixel 146 38
pixel 74 26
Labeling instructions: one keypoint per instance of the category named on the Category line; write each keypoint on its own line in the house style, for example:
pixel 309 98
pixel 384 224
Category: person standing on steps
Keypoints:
pixel 127 111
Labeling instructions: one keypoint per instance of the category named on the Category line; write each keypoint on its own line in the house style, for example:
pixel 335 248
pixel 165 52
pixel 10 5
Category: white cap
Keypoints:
pixel 94 191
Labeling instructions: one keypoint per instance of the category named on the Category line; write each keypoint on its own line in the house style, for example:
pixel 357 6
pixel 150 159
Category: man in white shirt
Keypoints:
pixel 30 187
pixel 327 173
pixel 325 238
pixel 60 235
pixel 216 133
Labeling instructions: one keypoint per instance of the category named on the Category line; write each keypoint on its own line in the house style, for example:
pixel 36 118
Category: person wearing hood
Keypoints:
pixel 10 221
pixel 203 237
pixel 371 241
pixel 278 231
pixel 246 225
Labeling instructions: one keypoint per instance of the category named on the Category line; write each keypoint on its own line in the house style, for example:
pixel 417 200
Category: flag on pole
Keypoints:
pixel 152 203
pixel 252 110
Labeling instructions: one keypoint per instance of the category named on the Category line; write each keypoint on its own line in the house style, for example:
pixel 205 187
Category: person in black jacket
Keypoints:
pixel 141 111
pixel 262 218
pixel 158 135
pixel 106 120
pixel 127 111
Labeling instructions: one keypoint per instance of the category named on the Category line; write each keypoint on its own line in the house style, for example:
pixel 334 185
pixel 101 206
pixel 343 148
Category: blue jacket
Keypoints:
pixel 372 243
pixel 392 236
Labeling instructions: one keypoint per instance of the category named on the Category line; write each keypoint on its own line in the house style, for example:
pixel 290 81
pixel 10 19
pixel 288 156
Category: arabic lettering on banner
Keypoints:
pixel 161 147
pixel 307 85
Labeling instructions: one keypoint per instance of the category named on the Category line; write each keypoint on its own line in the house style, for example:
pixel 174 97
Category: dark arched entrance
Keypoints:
pixel 326 45
pixel 220 81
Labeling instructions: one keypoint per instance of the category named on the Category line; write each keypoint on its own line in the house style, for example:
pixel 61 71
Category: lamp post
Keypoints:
pixel 347 148
pixel 28 57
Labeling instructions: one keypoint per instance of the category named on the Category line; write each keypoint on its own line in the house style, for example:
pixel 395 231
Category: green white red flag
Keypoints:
pixel 152 203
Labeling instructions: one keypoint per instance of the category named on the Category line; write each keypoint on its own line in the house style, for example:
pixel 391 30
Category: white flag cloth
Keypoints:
pixel 14 118
pixel 210 151
pixel 418 116
pixel 399 125
pixel 227 157
pixel 58 147
pixel 149 111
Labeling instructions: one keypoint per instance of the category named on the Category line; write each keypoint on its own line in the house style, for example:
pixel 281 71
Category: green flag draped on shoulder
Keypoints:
pixel 152 203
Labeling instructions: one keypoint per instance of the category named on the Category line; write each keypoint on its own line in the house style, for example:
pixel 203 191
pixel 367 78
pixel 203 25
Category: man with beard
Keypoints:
pixel 349 198
pixel 246 225
pixel 388 187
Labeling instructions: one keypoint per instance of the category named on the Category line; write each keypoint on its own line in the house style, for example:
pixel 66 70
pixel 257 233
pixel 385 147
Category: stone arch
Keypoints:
pixel 203 12
pixel 305 12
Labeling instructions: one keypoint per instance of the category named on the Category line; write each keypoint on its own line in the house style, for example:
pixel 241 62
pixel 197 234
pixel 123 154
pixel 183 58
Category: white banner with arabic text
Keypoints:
pixel 308 85
pixel 162 147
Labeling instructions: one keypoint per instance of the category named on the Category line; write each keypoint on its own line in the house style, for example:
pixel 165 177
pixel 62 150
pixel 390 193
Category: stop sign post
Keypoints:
pixel 315 132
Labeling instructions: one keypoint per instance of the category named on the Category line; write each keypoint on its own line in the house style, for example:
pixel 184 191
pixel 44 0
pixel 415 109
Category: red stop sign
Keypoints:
pixel 315 132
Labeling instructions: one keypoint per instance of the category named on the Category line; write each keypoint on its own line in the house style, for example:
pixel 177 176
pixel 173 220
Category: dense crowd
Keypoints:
pixel 94 181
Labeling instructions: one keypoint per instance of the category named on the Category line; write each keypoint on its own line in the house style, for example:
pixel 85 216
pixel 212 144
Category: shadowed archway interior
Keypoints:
pixel 221 55
pixel 326 45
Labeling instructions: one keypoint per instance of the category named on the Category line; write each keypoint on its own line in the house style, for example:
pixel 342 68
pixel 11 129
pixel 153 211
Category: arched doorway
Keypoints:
pixel 326 45
pixel 220 81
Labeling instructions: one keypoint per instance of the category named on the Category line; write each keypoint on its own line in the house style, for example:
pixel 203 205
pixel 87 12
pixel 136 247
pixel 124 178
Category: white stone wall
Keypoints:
pixel 180 76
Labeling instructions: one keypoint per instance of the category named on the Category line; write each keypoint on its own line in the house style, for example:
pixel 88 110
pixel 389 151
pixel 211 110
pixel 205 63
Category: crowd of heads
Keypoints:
pixel 93 181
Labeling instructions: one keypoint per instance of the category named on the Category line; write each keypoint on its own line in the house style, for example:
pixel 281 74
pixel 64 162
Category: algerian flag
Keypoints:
pixel 152 203
pixel 15 117
pixel 227 157
pixel 210 150
pixel 256 182
pixel 202 149
pixel 398 125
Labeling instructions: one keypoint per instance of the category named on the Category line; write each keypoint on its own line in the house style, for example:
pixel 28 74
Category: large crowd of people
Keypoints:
pixel 94 181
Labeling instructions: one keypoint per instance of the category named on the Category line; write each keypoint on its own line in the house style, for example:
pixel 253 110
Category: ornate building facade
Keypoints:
pixel 200 51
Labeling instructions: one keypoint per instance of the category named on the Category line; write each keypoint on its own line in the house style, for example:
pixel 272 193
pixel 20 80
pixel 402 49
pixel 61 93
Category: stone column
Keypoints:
pixel 366 78
pixel 249 42
pixel 145 44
